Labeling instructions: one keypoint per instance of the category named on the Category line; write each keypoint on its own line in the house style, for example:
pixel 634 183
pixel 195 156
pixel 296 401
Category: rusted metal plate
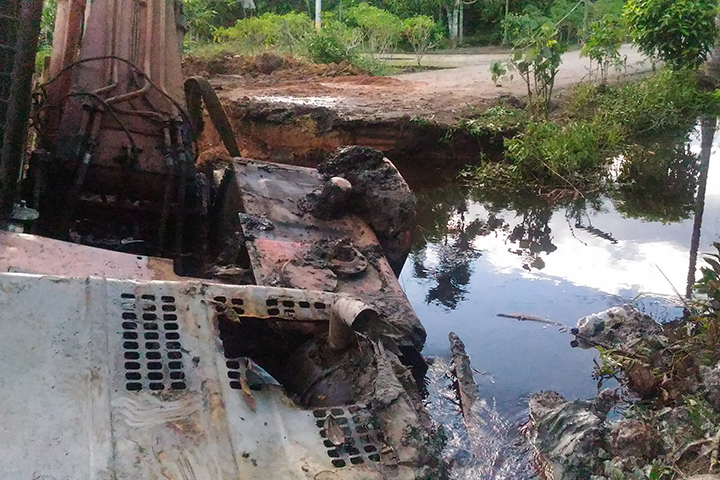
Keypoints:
pixel 280 236
pixel 115 379
pixel 33 254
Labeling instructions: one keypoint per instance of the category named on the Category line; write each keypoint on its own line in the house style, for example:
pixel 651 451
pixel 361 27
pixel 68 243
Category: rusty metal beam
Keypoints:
pixel 16 119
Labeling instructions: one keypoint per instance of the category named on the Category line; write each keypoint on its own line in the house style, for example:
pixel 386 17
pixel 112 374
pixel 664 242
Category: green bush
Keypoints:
pixel 335 42
pixel 604 39
pixel 679 32
pixel 563 155
pixel 203 17
pixel 325 48
pixel 601 122
pixel 422 33
pixel 381 29
pixel 282 32
pixel 659 103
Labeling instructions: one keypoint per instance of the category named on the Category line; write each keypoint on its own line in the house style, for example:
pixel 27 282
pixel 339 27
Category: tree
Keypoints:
pixel 603 40
pixel 381 28
pixel 47 24
pixel 679 32
pixel 537 59
pixel 420 32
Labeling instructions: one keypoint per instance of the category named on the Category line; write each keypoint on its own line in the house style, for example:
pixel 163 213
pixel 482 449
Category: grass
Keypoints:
pixel 574 151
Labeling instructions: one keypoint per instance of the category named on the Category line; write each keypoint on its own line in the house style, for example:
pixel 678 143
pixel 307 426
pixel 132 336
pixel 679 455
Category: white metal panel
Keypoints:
pixel 118 379
pixel 54 407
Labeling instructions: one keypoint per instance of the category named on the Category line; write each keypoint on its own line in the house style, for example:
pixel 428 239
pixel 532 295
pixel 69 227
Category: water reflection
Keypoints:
pixel 657 180
pixel 453 236
pixel 656 185
pixel 477 255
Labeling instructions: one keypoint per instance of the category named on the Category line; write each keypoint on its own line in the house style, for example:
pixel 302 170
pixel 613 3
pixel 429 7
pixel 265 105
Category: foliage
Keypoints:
pixel 678 32
pixel 518 27
pixel 550 155
pixel 421 32
pixel 568 16
pixel 537 59
pixel 47 23
pixel 205 16
pixel 657 178
pixel 411 8
pixel 678 405
pixel 270 30
pixel 495 120
pixel 604 38
pixel 335 42
pixel 381 29
pixel 708 287
pixel 666 101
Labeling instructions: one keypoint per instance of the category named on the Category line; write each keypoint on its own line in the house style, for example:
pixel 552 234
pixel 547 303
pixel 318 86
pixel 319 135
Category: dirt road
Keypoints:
pixel 465 84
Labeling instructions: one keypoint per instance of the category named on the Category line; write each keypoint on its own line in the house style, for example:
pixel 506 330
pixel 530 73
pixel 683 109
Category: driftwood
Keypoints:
pixel 467 389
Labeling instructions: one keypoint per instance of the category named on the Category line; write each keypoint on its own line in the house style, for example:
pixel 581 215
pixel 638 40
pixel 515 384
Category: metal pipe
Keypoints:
pixel 68 33
pixel 171 165
pixel 182 181
pixel 130 95
pixel 318 10
pixel 163 33
pixel 18 111
pixel 347 316
pixel 148 37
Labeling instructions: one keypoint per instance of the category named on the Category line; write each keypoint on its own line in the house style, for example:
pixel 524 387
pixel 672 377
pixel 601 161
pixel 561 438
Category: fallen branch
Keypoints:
pixel 530 318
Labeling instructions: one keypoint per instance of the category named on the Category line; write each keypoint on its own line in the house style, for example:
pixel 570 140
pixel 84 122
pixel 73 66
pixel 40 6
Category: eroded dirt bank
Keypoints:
pixel 287 111
pixel 425 153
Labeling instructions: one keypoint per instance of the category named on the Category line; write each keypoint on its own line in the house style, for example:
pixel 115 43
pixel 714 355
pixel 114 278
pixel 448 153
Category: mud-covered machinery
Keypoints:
pixel 286 349
pixel 114 164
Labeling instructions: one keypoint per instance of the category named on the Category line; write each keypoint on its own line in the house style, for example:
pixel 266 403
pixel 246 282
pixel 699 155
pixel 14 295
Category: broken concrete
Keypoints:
pixel 633 438
pixel 710 379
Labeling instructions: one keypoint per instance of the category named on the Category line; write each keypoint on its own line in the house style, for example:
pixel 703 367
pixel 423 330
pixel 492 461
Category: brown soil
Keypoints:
pixel 288 111
pixel 267 68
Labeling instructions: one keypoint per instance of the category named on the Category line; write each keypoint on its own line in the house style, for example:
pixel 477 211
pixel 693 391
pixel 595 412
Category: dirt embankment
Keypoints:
pixel 288 111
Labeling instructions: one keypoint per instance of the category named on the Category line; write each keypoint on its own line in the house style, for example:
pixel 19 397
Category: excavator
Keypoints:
pixel 163 319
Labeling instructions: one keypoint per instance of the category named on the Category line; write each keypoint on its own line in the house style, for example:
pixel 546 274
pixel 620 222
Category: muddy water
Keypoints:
pixel 475 257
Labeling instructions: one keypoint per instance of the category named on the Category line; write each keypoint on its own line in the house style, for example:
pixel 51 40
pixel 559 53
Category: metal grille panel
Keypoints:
pixel 150 337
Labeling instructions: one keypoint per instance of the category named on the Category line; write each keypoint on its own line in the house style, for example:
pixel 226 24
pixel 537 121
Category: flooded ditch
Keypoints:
pixel 475 256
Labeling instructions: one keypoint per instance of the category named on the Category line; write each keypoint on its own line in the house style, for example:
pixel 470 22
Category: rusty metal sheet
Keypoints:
pixel 117 379
pixel 277 231
pixel 33 254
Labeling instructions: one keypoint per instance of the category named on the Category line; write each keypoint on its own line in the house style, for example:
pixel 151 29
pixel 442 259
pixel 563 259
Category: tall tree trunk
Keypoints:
pixel 708 125
pixel 461 22
pixel 505 33
pixel 585 21
pixel 712 67
pixel 453 22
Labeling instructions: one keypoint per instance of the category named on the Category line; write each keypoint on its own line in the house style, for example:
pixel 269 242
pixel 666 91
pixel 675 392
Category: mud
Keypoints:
pixel 378 194
pixel 428 154
pixel 267 68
